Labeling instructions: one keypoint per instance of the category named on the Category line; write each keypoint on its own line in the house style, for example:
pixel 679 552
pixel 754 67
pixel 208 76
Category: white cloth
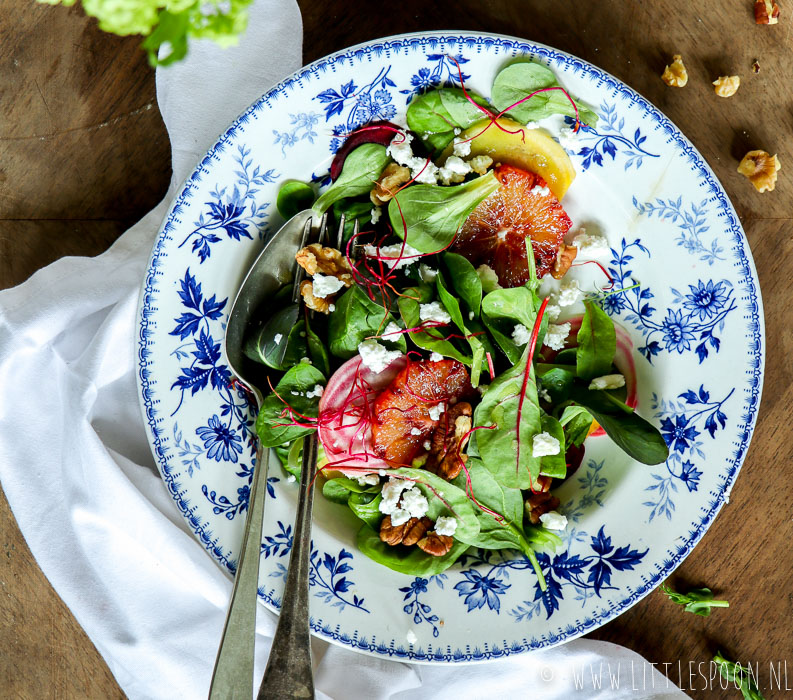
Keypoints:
pixel 76 467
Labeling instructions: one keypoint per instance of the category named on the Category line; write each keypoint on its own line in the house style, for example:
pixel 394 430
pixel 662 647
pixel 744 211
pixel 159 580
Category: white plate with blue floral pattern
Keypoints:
pixel 695 320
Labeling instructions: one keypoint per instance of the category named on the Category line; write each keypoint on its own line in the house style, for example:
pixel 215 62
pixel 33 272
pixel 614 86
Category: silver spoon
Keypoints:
pixel 232 677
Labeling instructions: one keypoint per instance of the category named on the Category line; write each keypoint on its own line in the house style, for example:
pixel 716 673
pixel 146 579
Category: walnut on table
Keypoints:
pixel 675 74
pixel 388 183
pixel 727 85
pixel 766 12
pixel 761 169
pixel 445 458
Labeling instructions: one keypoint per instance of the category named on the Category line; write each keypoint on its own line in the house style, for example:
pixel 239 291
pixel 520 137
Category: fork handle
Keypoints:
pixel 232 678
pixel 289 673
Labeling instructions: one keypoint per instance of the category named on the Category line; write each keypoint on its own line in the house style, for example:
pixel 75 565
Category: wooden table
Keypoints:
pixel 84 153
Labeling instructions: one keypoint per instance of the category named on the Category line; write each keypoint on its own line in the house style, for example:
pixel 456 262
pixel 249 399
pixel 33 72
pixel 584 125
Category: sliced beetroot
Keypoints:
pixel 381 132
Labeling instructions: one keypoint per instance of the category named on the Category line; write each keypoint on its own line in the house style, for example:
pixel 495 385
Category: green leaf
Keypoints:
pixel 367 507
pixel 506 450
pixel 436 114
pixel 451 305
pixel 516 304
pixel 597 343
pixel 299 380
pixel 698 601
pixel 629 431
pixel 519 80
pixel 409 305
pixel 294 196
pixel 317 351
pixel 554 465
pixel 744 677
pixel 464 280
pixel 407 560
pixel 557 381
pixel 356 318
pixel 434 213
pixel 280 342
pixel 576 422
pixel 361 169
pixel 501 330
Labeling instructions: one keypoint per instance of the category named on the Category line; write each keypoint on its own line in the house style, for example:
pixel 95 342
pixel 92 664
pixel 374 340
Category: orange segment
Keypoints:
pixel 495 232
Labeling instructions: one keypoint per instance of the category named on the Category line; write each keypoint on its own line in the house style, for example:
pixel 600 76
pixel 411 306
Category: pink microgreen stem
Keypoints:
pixel 490 367
pixel 602 269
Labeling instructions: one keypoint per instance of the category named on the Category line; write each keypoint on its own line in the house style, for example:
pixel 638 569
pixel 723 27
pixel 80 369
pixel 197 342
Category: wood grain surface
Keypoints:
pixel 84 153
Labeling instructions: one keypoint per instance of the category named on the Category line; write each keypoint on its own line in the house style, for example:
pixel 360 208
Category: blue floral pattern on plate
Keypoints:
pixel 628 528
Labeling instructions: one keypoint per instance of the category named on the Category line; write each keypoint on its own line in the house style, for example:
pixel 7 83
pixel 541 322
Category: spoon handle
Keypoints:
pixel 289 673
pixel 232 678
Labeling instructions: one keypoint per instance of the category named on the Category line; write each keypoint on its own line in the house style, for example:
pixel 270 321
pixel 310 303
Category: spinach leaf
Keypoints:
pixel 516 303
pixel 554 465
pixel 339 489
pixel 557 381
pixel 361 170
pixel 627 429
pixel 464 280
pixel 451 304
pixel 501 330
pixel 435 114
pixel 409 304
pixel 367 507
pixel 576 422
pixel 299 380
pixel 317 351
pixel 407 560
pixel 356 318
pixel 434 213
pixel 519 80
pixel 293 196
pixel 566 357
pixel 597 343
pixel 506 450
pixel 280 342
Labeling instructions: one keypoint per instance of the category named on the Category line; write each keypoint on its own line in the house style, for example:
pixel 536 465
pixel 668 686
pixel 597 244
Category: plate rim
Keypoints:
pixel 744 263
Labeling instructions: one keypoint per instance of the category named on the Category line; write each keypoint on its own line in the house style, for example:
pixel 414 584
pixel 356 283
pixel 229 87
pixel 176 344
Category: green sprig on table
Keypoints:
pixel 741 676
pixel 698 600
pixel 168 24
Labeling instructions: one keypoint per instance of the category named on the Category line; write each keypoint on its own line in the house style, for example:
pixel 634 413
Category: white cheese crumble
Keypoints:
pixel 556 335
pixel 446 525
pixel 553 520
pixel 488 277
pixel 415 503
pixel 316 392
pixel 461 147
pixel 427 274
pixel 375 356
pixel 368 480
pixel 376 213
pixel 278 338
pixel 544 395
pixel 392 333
pixel 421 169
pixel 435 357
pixel 434 312
pixel 591 244
pixel 520 334
pixel 453 170
pixel 392 491
pixel 532 125
pixel 291 479
pixel 607 381
pixel 542 191
pixel 415 431
pixel 545 444
pixel 399 517
pixel 569 293
pixel 411 637
pixel 552 311
pixel 325 285
pixel 568 139
pixel 331 307
pixel 394 256
pixel 427 445
pixel 436 410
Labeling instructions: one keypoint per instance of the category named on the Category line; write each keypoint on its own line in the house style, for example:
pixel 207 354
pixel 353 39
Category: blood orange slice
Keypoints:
pixel 495 232
pixel 402 417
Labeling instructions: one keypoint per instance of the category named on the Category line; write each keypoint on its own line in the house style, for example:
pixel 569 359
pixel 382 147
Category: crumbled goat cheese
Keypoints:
pixel 607 381
pixel 415 503
pixel 392 333
pixel 427 274
pixel 415 431
pixel 382 472
pixel 457 130
pixel 556 335
pixel 568 139
pixel 569 293
pixel 471 315
pixel 545 444
pixel 411 637
pixel 376 212
pixel 291 479
pixel 325 285
pixel 542 191
pixel 421 169
pixel 520 334
pixel 399 517
pixel 552 311
pixel 488 277
pixel 435 357
pixel 427 445
pixel 453 170
pixel 278 338
pixel 480 164
pixel 544 395
pixel 375 356
pixel 446 525
pixel 424 171
pixel 532 125
pixel 316 392
pixel 461 147
pixel 436 410
pixel 331 307
pixel 553 520
pixel 591 243
pixel 434 312
pixel 392 492
pixel 394 256
pixel 368 479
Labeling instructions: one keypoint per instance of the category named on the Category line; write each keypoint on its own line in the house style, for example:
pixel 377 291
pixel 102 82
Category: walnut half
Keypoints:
pixel 448 440
pixel 389 182
pixel 675 74
pixel 761 169
pixel 564 258
pixel 540 503
pixel 435 544
pixel 766 12
pixel 321 304
pixel 727 85
pixel 408 533
pixel 327 261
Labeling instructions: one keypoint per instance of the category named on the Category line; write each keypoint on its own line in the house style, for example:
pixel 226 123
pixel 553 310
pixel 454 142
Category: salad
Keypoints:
pixel 451 367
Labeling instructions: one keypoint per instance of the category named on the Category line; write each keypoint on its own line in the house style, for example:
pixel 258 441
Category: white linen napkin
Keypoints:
pixel 80 478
